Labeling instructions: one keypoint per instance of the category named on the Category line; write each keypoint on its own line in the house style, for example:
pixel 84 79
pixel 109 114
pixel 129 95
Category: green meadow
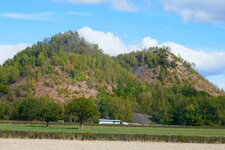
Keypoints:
pixel 116 130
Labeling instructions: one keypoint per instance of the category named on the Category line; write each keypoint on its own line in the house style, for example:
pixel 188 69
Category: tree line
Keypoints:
pixel 46 109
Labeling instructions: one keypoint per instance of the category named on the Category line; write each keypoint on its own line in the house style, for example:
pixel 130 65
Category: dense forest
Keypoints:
pixel 66 67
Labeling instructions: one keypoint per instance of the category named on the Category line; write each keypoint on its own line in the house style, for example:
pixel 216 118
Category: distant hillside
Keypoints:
pixel 159 65
pixel 153 82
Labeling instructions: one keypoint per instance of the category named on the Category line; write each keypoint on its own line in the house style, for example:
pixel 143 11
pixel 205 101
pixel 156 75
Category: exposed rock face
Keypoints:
pixel 182 74
pixel 148 75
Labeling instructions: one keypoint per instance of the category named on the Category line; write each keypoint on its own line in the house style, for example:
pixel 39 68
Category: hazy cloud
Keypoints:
pixel 121 5
pixel 124 5
pixel 77 13
pixel 34 16
pixel 202 11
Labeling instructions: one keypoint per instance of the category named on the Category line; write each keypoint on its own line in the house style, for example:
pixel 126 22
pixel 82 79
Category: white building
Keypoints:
pixel 107 121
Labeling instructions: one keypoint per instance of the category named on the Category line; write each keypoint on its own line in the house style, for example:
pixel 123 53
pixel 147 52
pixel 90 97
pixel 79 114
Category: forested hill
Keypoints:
pixel 153 82
pixel 63 67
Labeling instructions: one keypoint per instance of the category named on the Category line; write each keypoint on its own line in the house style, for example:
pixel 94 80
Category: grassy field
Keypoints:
pixel 116 130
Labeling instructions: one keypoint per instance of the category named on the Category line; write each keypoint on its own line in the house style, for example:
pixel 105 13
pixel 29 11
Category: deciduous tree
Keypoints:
pixel 84 109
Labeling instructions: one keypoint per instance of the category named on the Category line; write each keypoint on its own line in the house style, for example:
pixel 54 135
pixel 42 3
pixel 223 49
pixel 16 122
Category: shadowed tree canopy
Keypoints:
pixel 29 109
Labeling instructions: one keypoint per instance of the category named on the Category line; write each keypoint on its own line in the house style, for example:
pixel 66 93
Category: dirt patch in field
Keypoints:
pixel 29 144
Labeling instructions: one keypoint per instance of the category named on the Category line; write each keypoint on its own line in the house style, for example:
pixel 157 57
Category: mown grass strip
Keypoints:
pixel 109 137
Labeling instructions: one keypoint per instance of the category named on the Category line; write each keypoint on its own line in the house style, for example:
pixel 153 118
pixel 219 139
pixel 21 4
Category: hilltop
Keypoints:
pixel 159 65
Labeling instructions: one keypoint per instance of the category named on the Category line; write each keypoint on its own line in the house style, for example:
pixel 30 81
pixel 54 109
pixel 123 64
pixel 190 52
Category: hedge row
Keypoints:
pixel 108 137
pixel 92 124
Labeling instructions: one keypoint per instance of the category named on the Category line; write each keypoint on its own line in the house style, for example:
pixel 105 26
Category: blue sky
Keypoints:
pixel 194 29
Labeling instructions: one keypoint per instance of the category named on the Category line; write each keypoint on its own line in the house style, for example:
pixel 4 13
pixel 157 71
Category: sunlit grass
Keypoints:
pixel 115 130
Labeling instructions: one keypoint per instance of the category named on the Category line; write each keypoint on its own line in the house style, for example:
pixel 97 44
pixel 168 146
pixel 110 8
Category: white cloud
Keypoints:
pixel 8 51
pixel 203 11
pixel 107 41
pixel 35 16
pixel 121 5
pixel 207 63
pixel 144 44
pixel 124 5
pixel 148 42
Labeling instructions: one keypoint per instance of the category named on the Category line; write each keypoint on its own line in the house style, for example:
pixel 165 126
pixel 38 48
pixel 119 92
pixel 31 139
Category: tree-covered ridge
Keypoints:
pixel 66 67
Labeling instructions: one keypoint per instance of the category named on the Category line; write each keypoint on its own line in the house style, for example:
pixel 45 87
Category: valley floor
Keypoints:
pixel 30 144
